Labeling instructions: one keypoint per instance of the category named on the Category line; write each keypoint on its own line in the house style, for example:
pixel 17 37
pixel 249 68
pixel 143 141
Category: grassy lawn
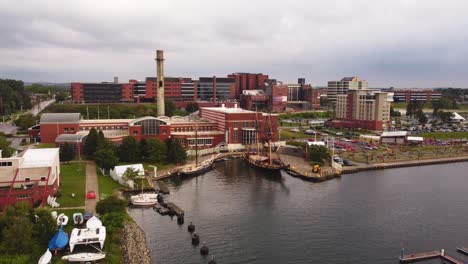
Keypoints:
pixel 45 145
pixel 444 135
pixel 286 134
pixel 73 180
pixel 106 185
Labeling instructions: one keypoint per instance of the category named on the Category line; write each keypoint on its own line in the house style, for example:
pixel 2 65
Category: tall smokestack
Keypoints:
pixel 160 82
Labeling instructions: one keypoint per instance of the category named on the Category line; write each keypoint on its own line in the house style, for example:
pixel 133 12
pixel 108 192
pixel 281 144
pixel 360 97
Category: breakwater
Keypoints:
pixel 133 245
pixel 401 164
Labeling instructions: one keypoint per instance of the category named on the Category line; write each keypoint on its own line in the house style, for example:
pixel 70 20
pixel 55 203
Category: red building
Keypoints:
pixel 240 126
pixel 278 97
pixel 408 95
pixel 248 81
pixel 312 96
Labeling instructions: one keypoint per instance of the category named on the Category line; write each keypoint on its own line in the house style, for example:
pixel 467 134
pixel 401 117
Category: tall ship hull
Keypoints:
pixel 263 162
pixel 198 169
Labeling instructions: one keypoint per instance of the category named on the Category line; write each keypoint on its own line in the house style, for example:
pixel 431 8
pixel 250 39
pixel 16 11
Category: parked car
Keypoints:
pixel 294 130
pixel 347 162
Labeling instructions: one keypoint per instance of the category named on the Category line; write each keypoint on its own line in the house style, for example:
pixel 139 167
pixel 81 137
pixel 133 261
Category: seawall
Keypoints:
pixel 401 164
pixel 133 245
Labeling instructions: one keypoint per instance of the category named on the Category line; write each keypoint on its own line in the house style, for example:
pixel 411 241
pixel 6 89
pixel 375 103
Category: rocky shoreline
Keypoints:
pixel 133 245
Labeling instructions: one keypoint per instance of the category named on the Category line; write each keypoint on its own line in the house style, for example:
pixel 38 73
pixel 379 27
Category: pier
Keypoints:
pixel 174 208
pixel 303 169
pixel 401 164
pixel 162 187
pixel 463 250
pixel 428 255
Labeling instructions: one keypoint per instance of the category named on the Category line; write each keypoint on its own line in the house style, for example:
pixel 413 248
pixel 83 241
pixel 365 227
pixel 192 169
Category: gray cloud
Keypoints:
pixel 405 43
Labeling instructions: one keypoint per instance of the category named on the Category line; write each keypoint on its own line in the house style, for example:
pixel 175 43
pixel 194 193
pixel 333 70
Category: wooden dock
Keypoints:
pixel 162 187
pixel 174 208
pixel 463 250
pixel 428 255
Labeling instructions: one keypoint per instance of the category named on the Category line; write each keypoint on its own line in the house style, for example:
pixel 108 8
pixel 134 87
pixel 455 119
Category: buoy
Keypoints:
pixel 204 249
pixel 195 239
pixel 191 228
pixel 180 219
pixel 212 261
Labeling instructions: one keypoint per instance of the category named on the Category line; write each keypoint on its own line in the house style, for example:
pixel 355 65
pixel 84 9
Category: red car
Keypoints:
pixel 91 195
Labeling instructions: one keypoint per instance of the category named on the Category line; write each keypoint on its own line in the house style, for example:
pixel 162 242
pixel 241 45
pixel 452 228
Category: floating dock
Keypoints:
pixel 463 250
pixel 162 187
pixel 175 209
pixel 314 177
pixel 428 255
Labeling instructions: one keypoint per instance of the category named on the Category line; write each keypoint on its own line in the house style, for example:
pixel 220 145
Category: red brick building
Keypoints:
pixel 278 97
pixel 248 81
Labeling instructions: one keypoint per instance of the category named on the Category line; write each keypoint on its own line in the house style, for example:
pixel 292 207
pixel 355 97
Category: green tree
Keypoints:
pixel 61 96
pixel 13 96
pixel 16 229
pixel 67 152
pixel 90 145
pixel 422 118
pixel 192 107
pixel 175 152
pixel 129 150
pixel 100 139
pixel 318 154
pixel 44 226
pixel 169 107
pixel 110 204
pixel 5 147
pixel 394 113
pixel 154 150
pixel 25 121
pixel 106 158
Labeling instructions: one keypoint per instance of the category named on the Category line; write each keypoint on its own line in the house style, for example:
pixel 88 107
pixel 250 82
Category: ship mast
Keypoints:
pixel 256 131
pixel 196 143
pixel 270 135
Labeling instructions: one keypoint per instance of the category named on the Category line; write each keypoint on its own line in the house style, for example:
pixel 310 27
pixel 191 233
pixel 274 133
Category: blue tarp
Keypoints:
pixel 59 240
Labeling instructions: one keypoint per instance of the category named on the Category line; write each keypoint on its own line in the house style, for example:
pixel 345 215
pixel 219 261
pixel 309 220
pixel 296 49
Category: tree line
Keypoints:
pixel 107 154
pixel 13 96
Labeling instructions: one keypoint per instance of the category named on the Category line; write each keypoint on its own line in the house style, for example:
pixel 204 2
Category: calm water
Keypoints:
pixel 247 216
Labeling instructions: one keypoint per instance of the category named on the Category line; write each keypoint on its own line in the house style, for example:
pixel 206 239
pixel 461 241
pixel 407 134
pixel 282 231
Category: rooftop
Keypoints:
pixel 73 138
pixel 394 134
pixel 40 157
pixel 227 110
pixel 55 118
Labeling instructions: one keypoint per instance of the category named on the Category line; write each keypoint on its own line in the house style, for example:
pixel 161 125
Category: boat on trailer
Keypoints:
pixel 94 233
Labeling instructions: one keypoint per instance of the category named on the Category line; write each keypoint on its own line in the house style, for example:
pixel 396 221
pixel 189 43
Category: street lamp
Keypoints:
pixel 155 170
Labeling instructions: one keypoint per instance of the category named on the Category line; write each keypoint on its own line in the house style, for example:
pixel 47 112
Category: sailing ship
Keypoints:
pixel 199 167
pixel 263 160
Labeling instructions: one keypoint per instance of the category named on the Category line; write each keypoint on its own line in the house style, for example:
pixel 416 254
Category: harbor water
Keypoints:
pixel 250 216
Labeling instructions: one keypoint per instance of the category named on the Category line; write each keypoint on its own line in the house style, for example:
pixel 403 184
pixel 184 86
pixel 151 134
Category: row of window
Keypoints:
pixel 200 142
pixel 6 164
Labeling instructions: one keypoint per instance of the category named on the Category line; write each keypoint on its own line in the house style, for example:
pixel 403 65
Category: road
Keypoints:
pixel 91 185
pixel 38 108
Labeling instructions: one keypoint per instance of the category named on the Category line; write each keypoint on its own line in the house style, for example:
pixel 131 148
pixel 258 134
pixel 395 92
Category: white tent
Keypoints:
pixel 118 172
pixel 456 117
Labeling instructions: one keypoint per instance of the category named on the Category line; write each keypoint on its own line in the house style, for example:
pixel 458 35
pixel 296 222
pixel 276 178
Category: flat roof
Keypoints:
pixel 394 134
pixel 74 138
pixel 39 157
pixel 104 121
pixel 55 118
pixel 228 110
pixel 415 139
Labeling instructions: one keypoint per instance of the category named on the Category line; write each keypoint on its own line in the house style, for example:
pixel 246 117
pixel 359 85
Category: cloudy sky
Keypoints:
pixel 402 43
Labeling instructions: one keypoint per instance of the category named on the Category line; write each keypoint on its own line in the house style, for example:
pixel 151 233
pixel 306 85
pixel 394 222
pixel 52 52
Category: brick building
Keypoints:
pixel 247 81
pixel 366 109
pixel 407 95
pixel 69 127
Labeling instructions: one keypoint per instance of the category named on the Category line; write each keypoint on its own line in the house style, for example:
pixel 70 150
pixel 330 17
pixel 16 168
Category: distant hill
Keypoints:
pixel 65 85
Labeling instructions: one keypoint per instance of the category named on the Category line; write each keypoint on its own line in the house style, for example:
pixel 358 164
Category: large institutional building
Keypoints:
pixel 408 95
pixel 336 88
pixel 231 128
pixel 366 109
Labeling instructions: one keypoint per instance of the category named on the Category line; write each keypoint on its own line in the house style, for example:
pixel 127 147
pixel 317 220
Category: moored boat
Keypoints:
pixel 144 199
pixel 198 168
pixel 84 257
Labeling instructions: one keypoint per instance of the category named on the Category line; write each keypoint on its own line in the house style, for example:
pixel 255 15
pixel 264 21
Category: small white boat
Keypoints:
pixel 77 218
pixel 93 222
pixel 83 257
pixel 45 258
pixel 144 199
pixel 62 219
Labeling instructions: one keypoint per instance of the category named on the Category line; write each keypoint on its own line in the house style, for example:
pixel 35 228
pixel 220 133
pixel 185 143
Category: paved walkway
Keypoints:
pixel 91 185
